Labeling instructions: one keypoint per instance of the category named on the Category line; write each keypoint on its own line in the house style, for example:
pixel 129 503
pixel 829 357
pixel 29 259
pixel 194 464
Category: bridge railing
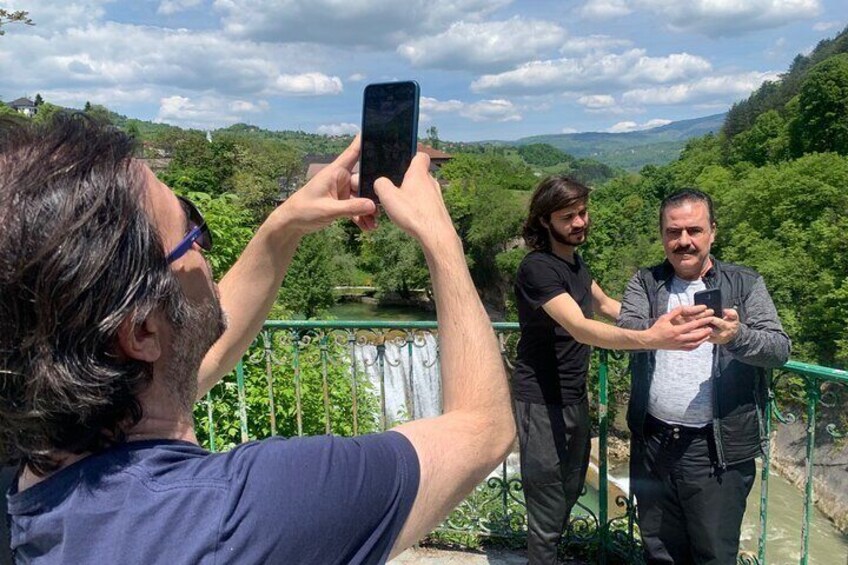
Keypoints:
pixel 354 377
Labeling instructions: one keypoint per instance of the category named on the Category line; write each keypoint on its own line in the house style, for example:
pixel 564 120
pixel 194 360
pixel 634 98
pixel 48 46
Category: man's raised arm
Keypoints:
pixel 458 449
pixel 249 288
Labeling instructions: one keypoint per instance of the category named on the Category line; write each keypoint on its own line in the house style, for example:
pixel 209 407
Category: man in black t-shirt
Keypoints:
pixel 557 300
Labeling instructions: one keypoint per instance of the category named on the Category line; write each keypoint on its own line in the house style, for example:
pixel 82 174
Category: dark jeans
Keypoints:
pixel 690 510
pixel 554 443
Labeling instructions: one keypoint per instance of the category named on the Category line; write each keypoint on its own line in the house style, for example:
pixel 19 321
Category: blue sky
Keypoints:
pixel 488 69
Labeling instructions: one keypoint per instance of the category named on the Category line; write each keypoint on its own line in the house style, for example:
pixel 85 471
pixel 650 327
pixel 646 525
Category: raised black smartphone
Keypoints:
pixel 389 133
pixel 712 298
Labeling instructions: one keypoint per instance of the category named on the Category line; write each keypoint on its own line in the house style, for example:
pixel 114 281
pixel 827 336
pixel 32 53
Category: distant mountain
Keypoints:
pixel 635 149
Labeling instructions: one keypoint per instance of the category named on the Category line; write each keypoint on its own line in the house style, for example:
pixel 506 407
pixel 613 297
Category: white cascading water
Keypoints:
pixel 412 378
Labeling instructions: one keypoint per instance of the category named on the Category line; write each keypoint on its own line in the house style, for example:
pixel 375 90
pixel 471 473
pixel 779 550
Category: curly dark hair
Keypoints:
pixel 552 194
pixel 78 256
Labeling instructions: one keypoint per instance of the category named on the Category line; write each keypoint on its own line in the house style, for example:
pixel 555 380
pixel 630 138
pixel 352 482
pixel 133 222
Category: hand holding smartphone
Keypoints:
pixel 389 133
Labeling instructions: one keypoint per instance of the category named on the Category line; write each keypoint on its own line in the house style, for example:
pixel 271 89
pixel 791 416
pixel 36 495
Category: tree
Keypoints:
pixel 38 100
pixel 821 124
pixel 308 288
pixel 433 137
pixel 10 17
pixel 396 260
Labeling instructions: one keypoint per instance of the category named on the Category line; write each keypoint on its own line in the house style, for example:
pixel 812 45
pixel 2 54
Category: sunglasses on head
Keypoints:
pixel 198 231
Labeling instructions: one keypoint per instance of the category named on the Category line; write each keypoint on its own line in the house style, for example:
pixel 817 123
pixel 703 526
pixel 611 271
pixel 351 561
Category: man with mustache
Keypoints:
pixel 111 326
pixel 556 299
pixel 697 416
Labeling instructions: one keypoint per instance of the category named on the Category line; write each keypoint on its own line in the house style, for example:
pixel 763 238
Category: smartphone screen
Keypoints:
pixel 389 133
pixel 712 298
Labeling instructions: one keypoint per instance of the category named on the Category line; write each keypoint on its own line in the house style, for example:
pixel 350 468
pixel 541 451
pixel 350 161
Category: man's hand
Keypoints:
pixel 691 313
pixel 726 328
pixel 672 331
pixel 328 196
pixel 417 206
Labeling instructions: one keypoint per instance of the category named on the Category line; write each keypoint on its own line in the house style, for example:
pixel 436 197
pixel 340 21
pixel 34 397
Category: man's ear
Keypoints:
pixel 143 341
pixel 545 223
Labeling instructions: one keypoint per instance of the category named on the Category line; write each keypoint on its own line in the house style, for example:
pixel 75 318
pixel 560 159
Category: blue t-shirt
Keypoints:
pixel 307 500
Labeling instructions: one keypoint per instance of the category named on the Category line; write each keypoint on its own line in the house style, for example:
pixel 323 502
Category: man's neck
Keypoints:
pixel 150 427
pixel 563 251
pixel 705 268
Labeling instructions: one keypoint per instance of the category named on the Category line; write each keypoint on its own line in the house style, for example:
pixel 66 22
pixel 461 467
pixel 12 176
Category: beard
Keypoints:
pixel 573 240
pixel 196 328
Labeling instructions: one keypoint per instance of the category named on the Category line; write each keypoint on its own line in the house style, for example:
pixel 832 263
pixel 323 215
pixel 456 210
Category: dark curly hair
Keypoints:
pixel 78 256
pixel 552 194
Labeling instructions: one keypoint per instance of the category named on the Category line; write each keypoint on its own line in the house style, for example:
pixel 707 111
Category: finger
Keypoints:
pixel 353 207
pixel 420 165
pixel 354 184
pixel 719 323
pixel 731 315
pixel 694 310
pixel 349 156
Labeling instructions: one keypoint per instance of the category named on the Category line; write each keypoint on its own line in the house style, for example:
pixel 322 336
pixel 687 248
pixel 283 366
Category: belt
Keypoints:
pixel 654 425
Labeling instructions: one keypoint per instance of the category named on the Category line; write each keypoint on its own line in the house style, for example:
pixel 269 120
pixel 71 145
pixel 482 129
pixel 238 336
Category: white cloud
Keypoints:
pixel 725 18
pixel 306 84
pixel 629 68
pixel 169 7
pixel 723 87
pixel 483 46
pixel 596 101
pixel 825 26
pixel 344 128
pixel 481 111
pixel 206 112
pixel 568 130
pixel 604 9
pixel 343 22
pixel 101 56
pixel 622 127
pixel 581 45
pixel 357 77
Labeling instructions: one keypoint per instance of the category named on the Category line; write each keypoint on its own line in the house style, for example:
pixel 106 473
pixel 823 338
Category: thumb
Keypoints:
pixel 731 315
pixel 385 189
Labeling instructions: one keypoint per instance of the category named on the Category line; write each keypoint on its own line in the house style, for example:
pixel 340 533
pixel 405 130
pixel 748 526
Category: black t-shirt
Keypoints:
pixel 551 366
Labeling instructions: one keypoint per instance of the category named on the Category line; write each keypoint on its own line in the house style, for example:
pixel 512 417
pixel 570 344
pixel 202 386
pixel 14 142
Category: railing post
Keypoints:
pixel 603 478
pixel 211 415
pixel 328 427
pixel 242 408
pixel 812 400
pixel 354 390
pixel 269 376
pixel 381 362
pixel 298 401
pixel 764 475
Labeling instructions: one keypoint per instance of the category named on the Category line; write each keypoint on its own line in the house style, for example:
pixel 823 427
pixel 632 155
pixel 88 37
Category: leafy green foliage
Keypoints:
pixel 308 287
pixel 396 260
pixel 489 169
pixel 295 374
pixel 543 155
pixel 821 124
pixel 13 16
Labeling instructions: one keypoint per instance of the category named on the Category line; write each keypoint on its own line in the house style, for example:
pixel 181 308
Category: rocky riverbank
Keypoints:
pixel 830 467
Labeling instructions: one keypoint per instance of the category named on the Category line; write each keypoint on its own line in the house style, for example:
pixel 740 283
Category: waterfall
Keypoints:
pixel 410 373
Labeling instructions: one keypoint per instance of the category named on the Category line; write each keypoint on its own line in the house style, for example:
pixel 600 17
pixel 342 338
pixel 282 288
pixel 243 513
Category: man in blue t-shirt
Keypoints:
pixel 112 326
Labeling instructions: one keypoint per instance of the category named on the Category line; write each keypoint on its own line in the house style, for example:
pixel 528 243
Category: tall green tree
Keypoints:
pixel 821 123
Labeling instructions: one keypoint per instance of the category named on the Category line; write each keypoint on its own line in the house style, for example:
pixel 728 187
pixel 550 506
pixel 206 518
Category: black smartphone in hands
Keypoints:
pixel 710 297
pixel 389 133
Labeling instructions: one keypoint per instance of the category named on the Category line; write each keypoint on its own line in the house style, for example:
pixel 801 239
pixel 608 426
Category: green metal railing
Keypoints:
pixel 322 377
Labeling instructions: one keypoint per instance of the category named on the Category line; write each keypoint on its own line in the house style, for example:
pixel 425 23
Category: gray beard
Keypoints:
pixel 196 329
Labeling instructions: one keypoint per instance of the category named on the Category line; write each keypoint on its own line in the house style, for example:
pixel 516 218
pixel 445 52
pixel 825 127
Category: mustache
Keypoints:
pixel 684 250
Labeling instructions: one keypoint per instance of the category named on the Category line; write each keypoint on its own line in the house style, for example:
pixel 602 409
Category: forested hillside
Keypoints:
pixel 778 171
